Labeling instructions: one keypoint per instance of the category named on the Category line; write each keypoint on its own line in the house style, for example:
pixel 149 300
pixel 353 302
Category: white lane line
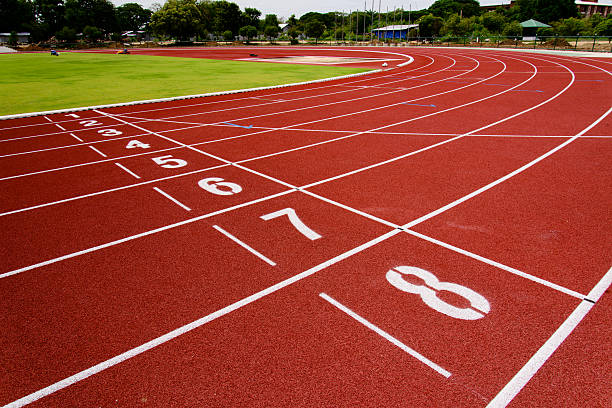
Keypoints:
pixel 111 190
pixel 169 197
pixel 127 170
pixel 245 246
pixel 238 99
pixel 387 336
pixel 142 234
pixel 526 373
pixel 497 265
pixel 76 137
pixel 28 399
pixel 506 177
pixel 97 151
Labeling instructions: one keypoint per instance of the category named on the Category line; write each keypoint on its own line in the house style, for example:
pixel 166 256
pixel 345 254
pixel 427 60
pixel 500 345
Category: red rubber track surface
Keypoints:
pixel 436 234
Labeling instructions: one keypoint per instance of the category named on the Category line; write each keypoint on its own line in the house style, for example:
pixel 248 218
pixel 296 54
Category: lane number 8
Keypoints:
pixel 479 305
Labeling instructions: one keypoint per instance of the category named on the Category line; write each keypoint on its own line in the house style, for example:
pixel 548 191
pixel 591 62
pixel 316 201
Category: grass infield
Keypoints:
pixel 40 82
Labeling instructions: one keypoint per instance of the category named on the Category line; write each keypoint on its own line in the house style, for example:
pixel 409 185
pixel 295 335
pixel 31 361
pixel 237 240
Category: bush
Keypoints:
pixel 228 35
pixel 66 34
pixel 91 33
pixel 12 40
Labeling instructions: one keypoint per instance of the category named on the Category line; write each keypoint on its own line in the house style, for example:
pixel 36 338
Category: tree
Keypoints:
pixel 430 25
pixel 132 17
pixel 228 35
pixel 248 31
pixel 547 11
pixel 177 18
pixel 553 10
pixel 314 29
pixel 271 20
pixel 271 31
pixel 225 16
pixel 250 17
pixel 604 28
pixel 50 16
pixel 513 29
pixel 444 8
pixel 92 33
pixel 570 26
pixel 16 15
pixel 493 22
pixel 66 34
pixel 95 13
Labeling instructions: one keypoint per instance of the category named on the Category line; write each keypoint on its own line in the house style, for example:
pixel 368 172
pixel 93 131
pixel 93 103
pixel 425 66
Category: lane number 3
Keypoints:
pixel 479 305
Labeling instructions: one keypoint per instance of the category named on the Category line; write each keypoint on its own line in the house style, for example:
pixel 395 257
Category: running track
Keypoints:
pixel 431 235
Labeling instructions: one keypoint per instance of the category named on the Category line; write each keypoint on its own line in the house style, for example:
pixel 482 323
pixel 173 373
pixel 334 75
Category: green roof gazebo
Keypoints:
pixel 530 27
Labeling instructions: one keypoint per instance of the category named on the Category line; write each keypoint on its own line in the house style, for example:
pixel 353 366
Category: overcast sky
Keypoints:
pixel 284 8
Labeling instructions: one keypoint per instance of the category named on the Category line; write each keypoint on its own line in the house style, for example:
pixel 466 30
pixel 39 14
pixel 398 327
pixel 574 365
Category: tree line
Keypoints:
pixel 206 19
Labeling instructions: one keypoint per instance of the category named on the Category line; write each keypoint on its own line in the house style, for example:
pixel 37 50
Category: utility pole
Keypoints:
pixel 372 23
pixel 379 19
pixel 401 21
pixel 394 9
pixel 387 22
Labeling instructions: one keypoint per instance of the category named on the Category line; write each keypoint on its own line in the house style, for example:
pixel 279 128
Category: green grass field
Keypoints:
pixel 39 82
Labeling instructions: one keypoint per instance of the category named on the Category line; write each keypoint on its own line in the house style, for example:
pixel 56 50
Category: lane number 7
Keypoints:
pixel 295 221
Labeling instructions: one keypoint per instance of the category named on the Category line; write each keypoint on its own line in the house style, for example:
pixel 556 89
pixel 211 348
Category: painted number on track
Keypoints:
pixel 216 185
pixel 110 132
pixel 90 122
pixel 295 221
pixel 132 144
pixel 168 162
pixel 479 305
pixel 74 115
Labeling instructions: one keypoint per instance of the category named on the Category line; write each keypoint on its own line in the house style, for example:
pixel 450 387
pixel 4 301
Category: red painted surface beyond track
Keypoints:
pixel 428 235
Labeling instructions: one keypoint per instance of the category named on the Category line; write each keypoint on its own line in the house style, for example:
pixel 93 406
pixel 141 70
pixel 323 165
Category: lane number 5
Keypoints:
pixel 479 305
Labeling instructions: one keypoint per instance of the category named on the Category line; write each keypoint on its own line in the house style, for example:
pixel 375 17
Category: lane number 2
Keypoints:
pixel 294 220
pixel 479 305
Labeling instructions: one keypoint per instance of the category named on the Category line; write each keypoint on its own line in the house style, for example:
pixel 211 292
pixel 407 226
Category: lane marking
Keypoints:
pixel 498 265
pixel 97 151
pixel 169 197
pixel 245 246
pixel 507 176
pixel 76 137
pixel 416 104
pixel 111 190
pixel 526 373
pixel 59 126
pixel 28 399
pixel 142 234
pixel 373 77
pixel 526 90
pixel 233 124
pixel 386 336
pixel 127 170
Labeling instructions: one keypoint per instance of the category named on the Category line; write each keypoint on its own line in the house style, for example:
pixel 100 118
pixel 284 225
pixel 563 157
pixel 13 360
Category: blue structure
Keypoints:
pixel 398 32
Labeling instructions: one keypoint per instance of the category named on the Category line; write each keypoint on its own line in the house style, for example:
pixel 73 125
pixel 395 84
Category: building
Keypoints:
pixel 22 38
pixel 399 32
pixel 588 8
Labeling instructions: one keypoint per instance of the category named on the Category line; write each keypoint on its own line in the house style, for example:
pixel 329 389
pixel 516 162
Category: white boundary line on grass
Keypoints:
pixel 176 98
